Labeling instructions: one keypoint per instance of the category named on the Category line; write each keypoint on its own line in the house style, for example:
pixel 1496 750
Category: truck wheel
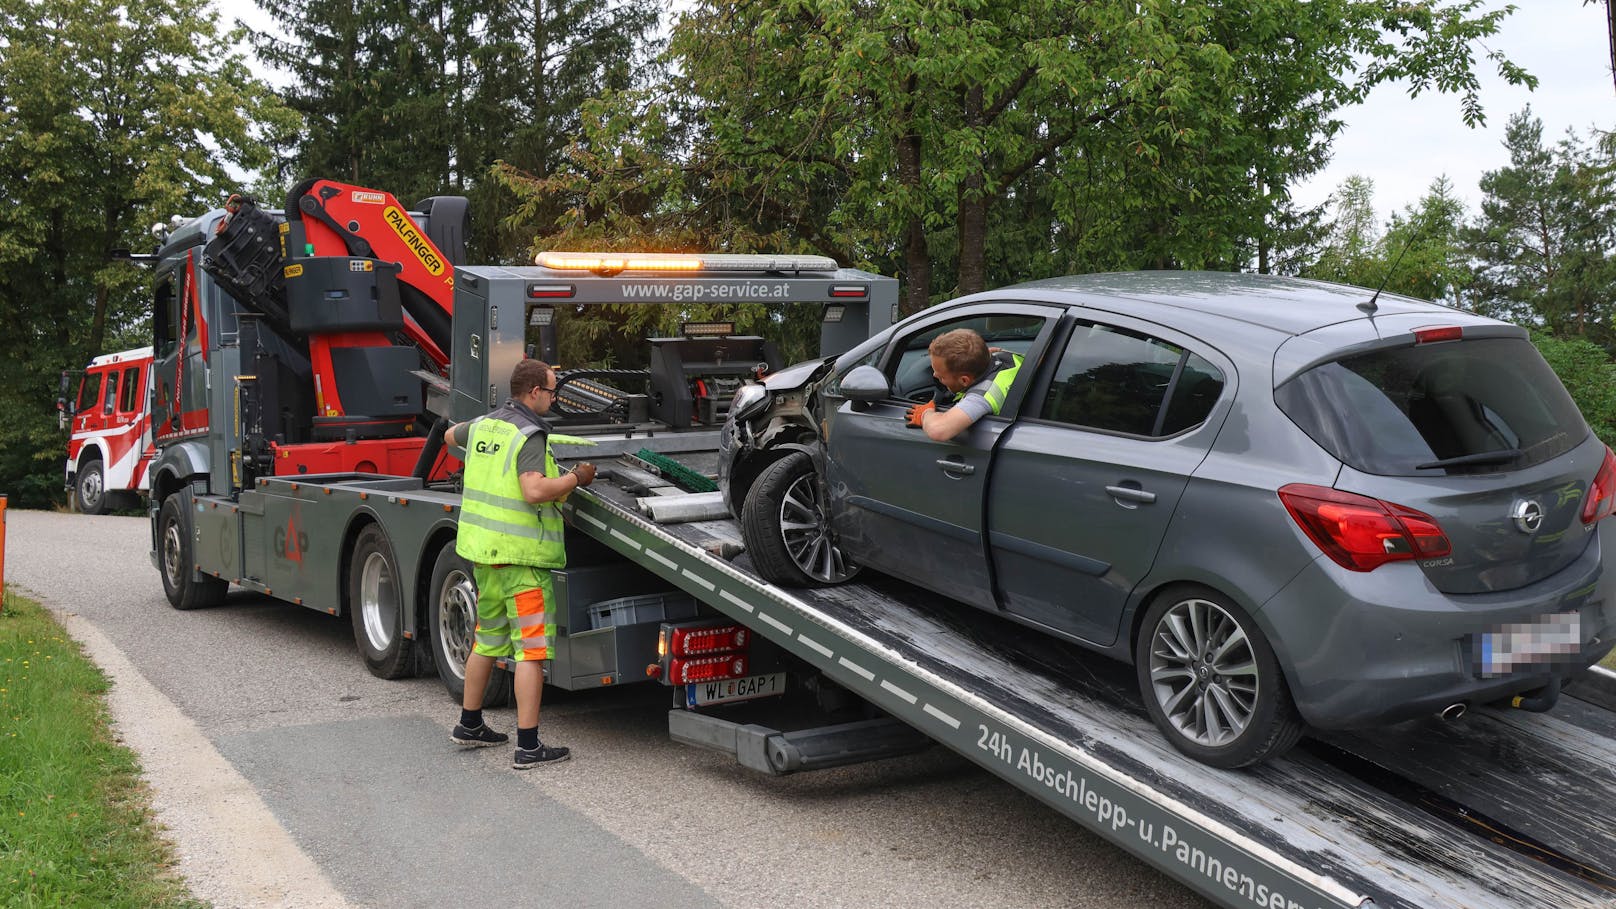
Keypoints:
pixel 452 624
pixel 1211 682
pixel 180 582
pixel 786 526
pixel 376 605
pixel 90 488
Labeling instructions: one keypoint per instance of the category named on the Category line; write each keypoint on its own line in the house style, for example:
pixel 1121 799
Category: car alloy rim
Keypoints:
pixel 805 530
pixel 378 600
pixel 171 553
pixel 457 620
pixel 1203 672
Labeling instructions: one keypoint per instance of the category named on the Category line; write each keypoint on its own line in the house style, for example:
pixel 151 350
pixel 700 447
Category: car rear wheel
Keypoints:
pixel 452 625
pixel 90 488
pixel 1211 682
pixel 786 526
pixel 376 606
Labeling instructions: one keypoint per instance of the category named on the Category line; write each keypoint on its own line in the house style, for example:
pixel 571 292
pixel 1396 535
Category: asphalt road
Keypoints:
pixel 260 705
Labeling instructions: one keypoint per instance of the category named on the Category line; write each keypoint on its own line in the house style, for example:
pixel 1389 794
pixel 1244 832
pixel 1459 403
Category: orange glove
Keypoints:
pixel 916 416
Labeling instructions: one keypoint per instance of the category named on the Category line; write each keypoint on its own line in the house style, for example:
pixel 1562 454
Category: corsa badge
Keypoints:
pixel 411 235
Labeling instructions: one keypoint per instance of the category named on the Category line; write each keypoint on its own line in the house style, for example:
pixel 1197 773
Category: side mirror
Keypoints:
pixel 866 384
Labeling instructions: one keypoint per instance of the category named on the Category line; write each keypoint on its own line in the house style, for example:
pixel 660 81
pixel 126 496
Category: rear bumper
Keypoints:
pixel 1365 649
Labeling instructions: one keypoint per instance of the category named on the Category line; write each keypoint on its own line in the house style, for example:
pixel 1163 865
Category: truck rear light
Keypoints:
pixel 1440 333
pixel 683 671
pixel 1360 533
pixel 1602 493
pixel 684 642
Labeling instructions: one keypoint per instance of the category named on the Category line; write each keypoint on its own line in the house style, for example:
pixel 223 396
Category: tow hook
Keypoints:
pixel 1538 700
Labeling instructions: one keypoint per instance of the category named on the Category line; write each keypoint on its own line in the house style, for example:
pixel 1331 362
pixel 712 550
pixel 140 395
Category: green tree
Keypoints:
pixel 1352 250
pixel 1080 136
pixel 1588 373
pixel 1543 239
pixel 1420 253
pixel 112 116
pixel 420 97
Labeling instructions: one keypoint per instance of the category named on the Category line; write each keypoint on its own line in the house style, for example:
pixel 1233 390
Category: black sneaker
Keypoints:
pixel 541 756
pixel 478 737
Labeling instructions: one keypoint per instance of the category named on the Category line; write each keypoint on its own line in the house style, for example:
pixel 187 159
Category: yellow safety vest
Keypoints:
pixel 1003 377
pixel 498 526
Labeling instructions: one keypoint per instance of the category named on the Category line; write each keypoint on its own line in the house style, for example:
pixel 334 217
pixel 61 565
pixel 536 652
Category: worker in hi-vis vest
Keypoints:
pixel 971 378
pixel 511 531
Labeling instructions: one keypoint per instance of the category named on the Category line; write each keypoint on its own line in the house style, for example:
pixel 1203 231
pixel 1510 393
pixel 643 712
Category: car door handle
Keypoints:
pixel 1131 494
pixel 949 465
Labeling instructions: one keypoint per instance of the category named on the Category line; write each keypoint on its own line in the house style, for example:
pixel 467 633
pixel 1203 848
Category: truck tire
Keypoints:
pixel 452 623
pixel 376 605
pixel 786 526
pixel 1210 680
pixel 178 564
pixel 90 488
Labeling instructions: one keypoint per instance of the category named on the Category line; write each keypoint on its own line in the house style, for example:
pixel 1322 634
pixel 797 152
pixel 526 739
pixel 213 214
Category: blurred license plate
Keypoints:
pixel 1553 638
pixel 754 686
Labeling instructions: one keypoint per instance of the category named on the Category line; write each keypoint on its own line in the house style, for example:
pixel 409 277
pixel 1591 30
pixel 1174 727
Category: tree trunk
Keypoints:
pixel 916 254
pixel 973 211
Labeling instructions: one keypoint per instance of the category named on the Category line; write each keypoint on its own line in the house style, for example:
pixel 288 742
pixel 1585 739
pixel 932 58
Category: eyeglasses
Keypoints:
pixel 551 389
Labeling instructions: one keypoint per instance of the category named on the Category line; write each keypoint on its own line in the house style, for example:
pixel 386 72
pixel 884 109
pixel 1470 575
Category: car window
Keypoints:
pixel 131 388
pixel 909 366
pixel 1389 412
pixel 89 392
pixel 111 392
pixel 1119 380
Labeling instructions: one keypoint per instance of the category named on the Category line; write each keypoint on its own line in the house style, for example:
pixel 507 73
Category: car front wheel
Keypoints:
pixel 786 525
pixel 1211 682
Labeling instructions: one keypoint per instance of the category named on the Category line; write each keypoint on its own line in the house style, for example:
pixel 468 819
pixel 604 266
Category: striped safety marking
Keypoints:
pixel 784 628
pixel 628 539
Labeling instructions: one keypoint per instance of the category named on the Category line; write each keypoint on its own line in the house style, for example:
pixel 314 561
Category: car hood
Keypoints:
pixel 794 376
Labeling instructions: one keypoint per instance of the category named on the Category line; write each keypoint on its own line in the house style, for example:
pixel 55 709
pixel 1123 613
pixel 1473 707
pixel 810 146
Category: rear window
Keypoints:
pixel 1482 405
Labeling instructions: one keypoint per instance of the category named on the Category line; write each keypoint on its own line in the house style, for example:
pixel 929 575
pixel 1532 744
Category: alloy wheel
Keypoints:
pixel 1204 672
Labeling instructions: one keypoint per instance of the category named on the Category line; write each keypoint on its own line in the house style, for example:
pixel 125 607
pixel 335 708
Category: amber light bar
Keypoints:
pixel 614 263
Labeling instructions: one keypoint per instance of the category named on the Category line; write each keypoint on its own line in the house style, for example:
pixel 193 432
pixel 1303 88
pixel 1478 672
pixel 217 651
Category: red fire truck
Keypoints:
pixel 109 447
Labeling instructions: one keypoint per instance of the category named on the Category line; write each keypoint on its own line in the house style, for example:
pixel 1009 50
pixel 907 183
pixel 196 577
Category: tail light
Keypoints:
pixel 1362 534
pixel 1602 494
pixel 703 653
pixel 706 669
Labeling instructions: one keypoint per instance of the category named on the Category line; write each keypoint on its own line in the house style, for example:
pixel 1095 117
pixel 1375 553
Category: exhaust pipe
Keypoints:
pixel 1454 711
pixel 1538 700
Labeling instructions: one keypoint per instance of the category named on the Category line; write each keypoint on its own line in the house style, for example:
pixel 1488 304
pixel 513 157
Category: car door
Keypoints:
pixel 1083 487
pixel 902 503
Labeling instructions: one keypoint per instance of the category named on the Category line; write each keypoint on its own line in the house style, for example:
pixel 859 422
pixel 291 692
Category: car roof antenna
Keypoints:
pixel 1368 305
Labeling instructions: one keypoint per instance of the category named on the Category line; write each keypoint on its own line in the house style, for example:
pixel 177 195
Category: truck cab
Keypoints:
pixel 109 445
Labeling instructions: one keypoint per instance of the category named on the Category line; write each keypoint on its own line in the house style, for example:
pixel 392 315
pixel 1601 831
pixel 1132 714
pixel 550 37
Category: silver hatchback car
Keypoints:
pixel 1288 503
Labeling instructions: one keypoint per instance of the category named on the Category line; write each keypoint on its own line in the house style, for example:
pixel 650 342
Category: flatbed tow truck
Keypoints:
pixel 1507 808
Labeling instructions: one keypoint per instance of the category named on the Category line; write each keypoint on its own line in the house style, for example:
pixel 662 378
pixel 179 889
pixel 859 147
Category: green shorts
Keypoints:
pixel 514 614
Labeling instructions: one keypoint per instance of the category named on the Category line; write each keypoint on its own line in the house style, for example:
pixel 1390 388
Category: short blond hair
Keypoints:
pixel 963 351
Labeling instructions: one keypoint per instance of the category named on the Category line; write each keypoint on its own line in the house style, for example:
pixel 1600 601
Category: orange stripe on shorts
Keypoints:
pixel 530 602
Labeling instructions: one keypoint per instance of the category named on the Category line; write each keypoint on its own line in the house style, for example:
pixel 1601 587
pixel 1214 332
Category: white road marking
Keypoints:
pixel 736 600
pixel 898 691
pixel 821 649
pixel 942 716
pixel 868 675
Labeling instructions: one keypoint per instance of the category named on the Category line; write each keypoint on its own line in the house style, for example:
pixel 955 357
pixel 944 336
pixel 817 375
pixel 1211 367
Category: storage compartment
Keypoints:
pixel 670 606
pixel 340 294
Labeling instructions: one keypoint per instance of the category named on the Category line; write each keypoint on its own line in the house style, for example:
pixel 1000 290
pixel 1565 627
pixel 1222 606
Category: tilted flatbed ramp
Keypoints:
pixel 1504 809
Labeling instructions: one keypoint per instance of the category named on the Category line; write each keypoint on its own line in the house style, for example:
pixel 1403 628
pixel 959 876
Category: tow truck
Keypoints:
pixel 285 409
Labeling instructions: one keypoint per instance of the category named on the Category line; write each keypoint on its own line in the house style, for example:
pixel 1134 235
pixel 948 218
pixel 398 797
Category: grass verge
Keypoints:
pixel 75 826
pixel 1609 662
